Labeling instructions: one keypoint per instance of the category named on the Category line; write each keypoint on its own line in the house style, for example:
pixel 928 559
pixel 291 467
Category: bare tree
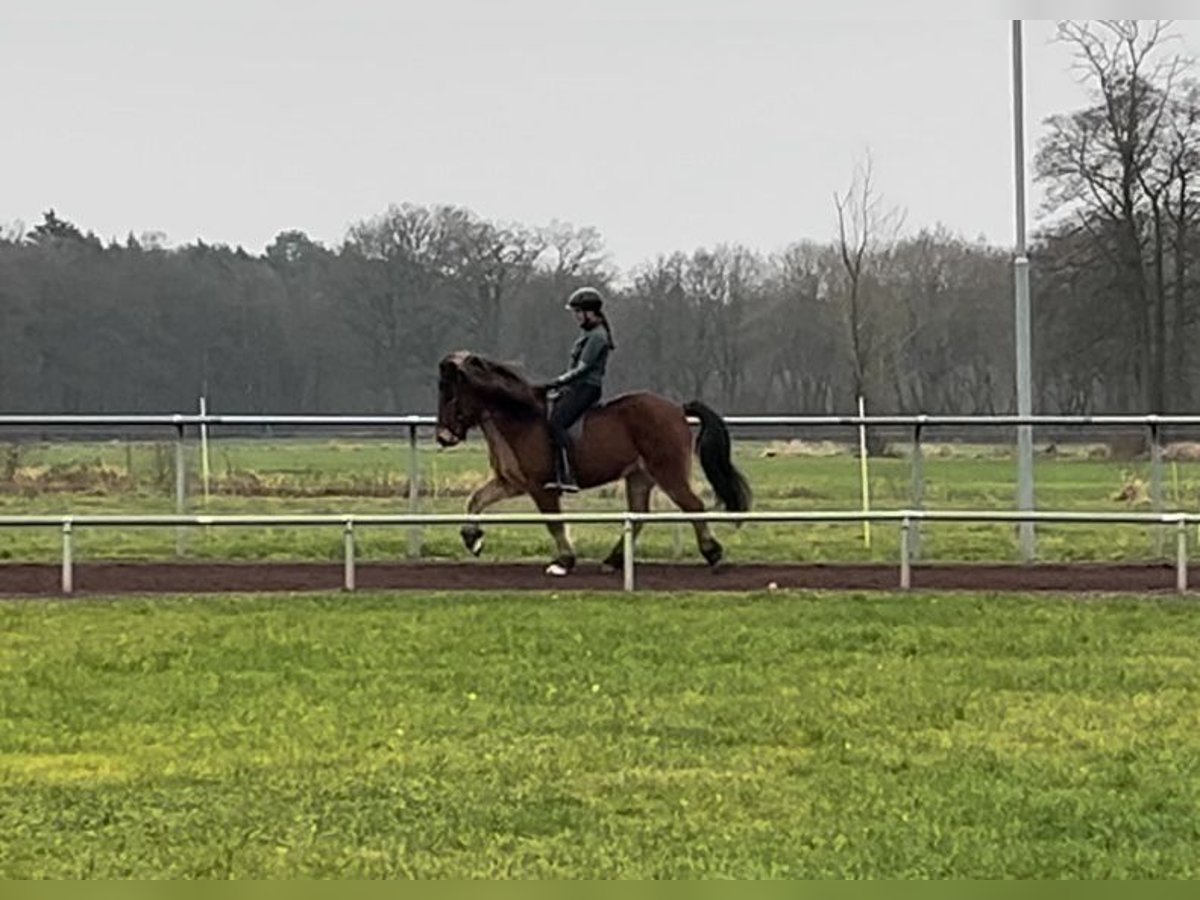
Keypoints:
pixel 801 330
pixel 397 264
pixel 1181 208
pixel 489 263
pixel 12 232
pixel 1109 167
pixel 654 308
pixel 867 230
pixel 571 252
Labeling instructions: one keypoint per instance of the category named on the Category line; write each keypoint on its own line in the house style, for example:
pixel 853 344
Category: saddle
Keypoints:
pixel 575 432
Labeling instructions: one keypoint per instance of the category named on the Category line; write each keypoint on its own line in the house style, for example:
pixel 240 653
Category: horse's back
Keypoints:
pixel 647 401
pixel 635 421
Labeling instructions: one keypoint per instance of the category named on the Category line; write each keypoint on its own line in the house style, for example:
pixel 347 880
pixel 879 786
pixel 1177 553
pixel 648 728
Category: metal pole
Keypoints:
pixel 1023 340
pixel 180 489
pixel 1181 557
pixel 348 543
pixel 905 565
pixel 414 491
pixel 918 490
pixel 204 469
pixel 863 471
pixel 68 562
pixel 628 549
pixel 1156 487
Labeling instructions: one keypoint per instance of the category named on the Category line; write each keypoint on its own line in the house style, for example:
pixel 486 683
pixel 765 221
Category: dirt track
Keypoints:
pixel 138 578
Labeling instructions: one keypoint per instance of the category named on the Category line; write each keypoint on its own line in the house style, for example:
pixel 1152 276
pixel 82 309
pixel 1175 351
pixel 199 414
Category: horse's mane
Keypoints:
pixel 502 385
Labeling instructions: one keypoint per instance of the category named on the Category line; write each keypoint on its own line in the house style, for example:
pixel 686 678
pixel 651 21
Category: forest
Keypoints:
pixel 914 318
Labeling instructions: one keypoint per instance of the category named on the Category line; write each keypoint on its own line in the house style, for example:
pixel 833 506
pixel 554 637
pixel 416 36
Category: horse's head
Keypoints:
pixel 470 386
pixel 457 408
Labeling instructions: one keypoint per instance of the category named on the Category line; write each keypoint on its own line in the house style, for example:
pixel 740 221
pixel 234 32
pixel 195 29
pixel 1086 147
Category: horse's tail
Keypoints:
pixel 716 458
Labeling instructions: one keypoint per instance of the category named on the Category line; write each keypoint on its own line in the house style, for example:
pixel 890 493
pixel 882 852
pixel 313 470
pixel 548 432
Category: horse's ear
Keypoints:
pixel 452 364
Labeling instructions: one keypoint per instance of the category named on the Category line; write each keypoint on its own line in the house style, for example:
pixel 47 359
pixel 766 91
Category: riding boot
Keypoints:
pixel 564 479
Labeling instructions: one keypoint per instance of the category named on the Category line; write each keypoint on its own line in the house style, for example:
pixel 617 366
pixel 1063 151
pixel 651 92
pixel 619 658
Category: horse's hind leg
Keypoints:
pixel 638 487
pixel 680 491
pixel 487 495
pixel 564 562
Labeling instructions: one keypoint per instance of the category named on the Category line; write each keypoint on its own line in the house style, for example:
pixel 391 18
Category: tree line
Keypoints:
pixel 914 320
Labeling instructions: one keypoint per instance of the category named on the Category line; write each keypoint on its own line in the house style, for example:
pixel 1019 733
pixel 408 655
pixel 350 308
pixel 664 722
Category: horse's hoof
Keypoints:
pixel 612 564
pixel 473 539
pixel 714 553
pixel 561 566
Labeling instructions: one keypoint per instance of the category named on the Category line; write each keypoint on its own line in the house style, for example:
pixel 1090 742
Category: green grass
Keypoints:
pixel 370 476
pixel 782 735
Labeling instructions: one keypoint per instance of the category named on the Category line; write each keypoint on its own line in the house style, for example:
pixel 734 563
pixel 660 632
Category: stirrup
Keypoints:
pixel 561 487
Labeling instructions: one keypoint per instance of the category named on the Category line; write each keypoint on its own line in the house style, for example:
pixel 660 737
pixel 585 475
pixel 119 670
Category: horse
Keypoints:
pixel 641 437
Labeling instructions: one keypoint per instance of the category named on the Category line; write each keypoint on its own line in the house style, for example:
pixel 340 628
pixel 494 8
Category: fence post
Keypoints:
pixel 1181 556
pixel 68 561
pixel 348 546
pixel 1156 485
pixel 180 489
pixel 627 537
pixel 918 489
pixel 906 527
pixel 414 491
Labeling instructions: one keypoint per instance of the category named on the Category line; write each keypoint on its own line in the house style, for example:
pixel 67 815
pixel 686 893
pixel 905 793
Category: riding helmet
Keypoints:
pixel 586 299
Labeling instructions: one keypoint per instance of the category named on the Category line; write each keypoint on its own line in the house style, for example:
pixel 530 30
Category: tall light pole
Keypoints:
pixel 1021 273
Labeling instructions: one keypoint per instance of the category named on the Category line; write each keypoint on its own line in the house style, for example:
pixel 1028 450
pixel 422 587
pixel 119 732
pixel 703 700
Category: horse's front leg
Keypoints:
pixel 564 562
pixel 489 494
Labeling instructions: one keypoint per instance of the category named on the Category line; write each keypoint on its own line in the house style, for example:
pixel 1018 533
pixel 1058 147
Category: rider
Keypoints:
pixel 579 388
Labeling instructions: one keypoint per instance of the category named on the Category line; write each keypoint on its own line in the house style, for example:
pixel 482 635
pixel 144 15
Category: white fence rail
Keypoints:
pixel 907 519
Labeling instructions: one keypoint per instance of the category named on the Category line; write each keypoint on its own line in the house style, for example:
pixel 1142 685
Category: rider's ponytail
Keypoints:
pixel 607 329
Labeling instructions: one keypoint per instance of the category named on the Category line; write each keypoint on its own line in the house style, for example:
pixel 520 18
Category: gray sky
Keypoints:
pixel 667 125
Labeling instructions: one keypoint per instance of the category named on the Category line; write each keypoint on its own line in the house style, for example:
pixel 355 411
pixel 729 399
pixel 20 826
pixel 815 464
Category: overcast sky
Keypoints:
pixel 667 125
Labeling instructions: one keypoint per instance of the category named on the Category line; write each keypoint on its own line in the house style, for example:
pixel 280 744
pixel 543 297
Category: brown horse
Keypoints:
pixel 641 437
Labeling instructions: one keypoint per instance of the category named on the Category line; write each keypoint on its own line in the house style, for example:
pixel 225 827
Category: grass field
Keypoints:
pixel 573 736
pixel 339 476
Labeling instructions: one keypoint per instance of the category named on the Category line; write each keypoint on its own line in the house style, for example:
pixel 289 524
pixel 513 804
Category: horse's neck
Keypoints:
pixel 498 428
pixel 502 448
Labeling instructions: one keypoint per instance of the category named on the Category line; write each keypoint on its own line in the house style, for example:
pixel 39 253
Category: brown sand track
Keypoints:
pixel 205 577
